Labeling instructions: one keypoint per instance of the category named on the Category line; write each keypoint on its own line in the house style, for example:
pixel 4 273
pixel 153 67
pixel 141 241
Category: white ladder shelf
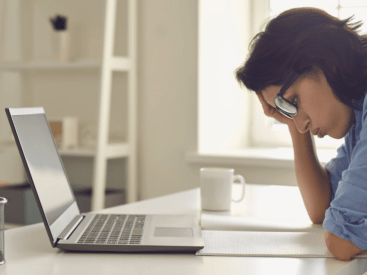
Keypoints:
pixel 106 66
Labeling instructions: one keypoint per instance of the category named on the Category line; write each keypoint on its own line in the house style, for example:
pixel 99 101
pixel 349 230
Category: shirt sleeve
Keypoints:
pixel 335 168
pixel 347 215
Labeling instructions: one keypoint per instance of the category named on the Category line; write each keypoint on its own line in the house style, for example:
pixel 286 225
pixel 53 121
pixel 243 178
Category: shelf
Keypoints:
pixel 120 64
pixel 117 150
pixel 106 51
pixel 113 150
pixel 117 64
pixel 77 152
pixel 91 64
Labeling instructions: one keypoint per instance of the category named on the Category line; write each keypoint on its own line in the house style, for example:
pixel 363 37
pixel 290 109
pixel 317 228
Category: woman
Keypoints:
pixel 309 71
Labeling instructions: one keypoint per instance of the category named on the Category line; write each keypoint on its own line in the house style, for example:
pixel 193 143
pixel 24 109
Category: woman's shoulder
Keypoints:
pixel 360 105
pixel 363 104
pixel 360 109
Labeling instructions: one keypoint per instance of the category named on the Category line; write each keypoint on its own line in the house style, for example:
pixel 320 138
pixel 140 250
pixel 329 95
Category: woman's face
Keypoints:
pixel 318 109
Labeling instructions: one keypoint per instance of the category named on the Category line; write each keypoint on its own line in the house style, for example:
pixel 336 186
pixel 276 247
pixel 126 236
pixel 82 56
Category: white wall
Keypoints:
pixel 167 84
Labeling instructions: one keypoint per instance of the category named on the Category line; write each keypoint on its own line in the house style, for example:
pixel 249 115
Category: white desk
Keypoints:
pixel 28 250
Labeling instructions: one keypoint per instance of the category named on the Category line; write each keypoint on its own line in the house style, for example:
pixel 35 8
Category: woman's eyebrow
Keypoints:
pixel 287 92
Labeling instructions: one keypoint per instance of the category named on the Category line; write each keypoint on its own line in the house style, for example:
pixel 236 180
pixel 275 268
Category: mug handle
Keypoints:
pixel 242 180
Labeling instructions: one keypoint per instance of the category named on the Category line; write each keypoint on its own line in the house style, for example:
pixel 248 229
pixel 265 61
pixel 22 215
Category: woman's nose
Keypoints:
pixel 302 124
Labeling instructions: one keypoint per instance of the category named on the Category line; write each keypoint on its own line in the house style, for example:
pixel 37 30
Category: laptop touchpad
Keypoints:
pixel 173 232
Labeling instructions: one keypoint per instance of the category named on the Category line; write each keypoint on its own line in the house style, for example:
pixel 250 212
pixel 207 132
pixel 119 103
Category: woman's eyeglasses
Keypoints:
pixel 281 104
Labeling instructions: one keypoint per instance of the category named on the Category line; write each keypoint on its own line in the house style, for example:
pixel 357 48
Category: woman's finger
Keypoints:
pixel 262 99
pixel 270 111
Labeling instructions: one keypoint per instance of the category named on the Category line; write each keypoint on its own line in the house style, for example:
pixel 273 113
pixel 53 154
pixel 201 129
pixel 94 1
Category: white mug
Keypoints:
pixel 216 188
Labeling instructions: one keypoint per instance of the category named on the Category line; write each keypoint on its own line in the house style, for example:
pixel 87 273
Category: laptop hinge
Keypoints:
pixel 70 228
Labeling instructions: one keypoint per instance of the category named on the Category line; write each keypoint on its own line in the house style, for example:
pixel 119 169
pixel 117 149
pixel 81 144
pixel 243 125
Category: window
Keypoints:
pixel 266 131
pixel 223 113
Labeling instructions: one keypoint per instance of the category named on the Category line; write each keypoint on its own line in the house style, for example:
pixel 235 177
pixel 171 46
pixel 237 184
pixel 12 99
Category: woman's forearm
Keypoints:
pixel 312 178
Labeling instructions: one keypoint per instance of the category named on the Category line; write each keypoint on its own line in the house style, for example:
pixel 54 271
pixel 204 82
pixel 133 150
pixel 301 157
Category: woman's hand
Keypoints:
pixel 270 111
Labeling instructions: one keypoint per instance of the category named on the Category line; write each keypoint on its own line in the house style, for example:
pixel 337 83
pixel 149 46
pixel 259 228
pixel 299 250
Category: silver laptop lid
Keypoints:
pixel 44 168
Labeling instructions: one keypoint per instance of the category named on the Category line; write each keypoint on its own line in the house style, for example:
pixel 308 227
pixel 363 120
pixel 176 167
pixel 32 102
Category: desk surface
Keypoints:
pixel 28 250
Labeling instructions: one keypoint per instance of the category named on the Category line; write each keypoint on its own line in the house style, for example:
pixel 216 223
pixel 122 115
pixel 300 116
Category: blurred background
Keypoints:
pixel 141 94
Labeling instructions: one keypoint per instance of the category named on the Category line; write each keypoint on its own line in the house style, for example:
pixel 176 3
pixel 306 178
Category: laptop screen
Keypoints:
pixel 44 163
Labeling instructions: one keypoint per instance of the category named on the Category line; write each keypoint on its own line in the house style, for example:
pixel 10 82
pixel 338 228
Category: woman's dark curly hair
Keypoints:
pixel 301 40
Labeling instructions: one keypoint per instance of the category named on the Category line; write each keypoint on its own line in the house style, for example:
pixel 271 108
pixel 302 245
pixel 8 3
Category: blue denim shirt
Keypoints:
pixel 347 215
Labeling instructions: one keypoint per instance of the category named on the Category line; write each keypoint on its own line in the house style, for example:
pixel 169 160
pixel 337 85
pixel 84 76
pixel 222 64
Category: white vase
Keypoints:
pixel 61 46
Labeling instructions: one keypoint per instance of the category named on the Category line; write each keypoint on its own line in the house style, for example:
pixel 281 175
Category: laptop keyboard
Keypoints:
pixel 114 229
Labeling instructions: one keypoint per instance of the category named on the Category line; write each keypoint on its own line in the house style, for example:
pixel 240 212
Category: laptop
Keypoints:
pixel 66 227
